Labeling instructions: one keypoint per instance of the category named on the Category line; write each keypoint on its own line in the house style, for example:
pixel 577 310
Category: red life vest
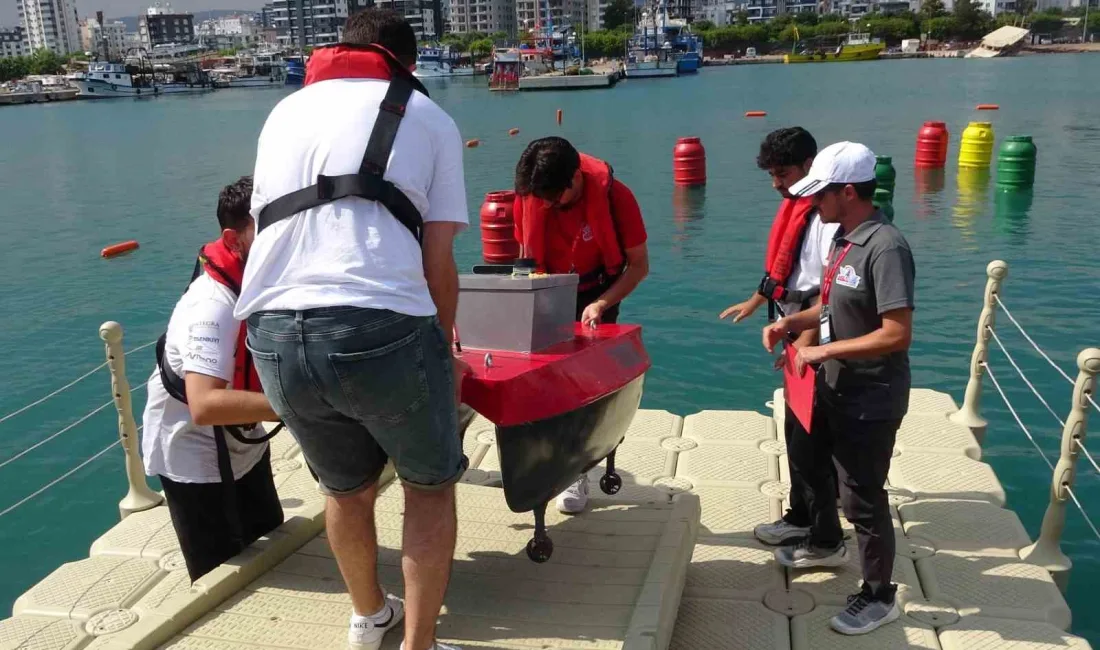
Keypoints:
pixel 532 216
pixel 227 269
pixel 784 245
pixel 348 62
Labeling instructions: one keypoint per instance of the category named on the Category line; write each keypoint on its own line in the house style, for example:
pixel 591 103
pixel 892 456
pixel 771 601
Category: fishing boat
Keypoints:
pixel 435 63
pixel 651 51
pixel 642 63
pixel 854 47
pixel 105 80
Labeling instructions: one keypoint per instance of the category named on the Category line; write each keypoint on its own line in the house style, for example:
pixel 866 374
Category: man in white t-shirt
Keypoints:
pixel 798 251
pixel 218 486
pixel 350 317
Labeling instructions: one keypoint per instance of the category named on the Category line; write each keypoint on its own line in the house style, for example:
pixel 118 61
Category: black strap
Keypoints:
pixel 229 488
pixel 368 183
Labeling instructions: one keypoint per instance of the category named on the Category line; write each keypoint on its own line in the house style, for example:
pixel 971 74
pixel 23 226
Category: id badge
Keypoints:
pixel 826 331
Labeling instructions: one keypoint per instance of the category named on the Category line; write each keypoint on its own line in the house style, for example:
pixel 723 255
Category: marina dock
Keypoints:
pixel 668 562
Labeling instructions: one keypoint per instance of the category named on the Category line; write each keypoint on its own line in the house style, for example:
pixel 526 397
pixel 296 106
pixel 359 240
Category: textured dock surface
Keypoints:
pixel 645 568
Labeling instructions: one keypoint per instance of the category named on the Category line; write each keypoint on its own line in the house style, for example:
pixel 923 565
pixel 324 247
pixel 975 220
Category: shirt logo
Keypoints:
pixel 847 277
pixel 586 233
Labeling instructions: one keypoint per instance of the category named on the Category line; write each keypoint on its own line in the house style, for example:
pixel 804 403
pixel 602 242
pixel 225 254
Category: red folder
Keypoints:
pixel 798 391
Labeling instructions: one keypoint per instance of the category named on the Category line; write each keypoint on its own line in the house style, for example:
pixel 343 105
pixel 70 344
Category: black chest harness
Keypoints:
pixel 368 183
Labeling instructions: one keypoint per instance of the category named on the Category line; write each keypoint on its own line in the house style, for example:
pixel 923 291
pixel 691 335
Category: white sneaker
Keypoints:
pixel 366 632
pixel 575 498
pixel 437 646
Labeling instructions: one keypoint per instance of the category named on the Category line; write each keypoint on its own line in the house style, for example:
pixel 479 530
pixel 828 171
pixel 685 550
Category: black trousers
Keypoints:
pixel 207 536
pixel 860 451
pixel 800 453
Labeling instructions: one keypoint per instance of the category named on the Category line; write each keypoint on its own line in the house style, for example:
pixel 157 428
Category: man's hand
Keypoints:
pixel 797 344
pixel 461 369
pixel 593 312
pixel 774 333
pixel 740 311
pixel 811 354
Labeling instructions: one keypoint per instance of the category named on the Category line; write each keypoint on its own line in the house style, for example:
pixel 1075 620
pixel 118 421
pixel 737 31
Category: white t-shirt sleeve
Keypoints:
pixel 211 339
pixel 447 191
pixel 826 232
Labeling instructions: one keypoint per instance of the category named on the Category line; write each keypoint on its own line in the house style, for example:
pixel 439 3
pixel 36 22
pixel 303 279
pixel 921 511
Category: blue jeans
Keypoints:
pixel 357 387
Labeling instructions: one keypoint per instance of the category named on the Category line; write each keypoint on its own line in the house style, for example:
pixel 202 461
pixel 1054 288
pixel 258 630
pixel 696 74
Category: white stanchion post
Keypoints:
pixel 969 415
pixel 139 496
pixel 1046 551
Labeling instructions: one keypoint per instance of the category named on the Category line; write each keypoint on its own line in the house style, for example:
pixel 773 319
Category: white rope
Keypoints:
pixel 1083 513
pixel 1046 460
pixel 1039 350
pixel 68 428
pixel 58 479
pixel 1081 445
pixel 997 385
pixel 67 386
pixel 1024 377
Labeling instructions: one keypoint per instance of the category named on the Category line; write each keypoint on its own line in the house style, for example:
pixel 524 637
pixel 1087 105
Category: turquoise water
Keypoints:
pixel 78 176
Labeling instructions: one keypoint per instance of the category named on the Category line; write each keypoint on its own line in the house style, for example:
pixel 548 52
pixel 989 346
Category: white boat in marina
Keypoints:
pixel 641 64
pixel 111 80
pixel 251 70
pixel 435 63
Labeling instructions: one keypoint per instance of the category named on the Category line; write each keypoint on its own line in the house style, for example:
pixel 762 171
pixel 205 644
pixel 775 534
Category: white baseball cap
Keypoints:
pixel 843 162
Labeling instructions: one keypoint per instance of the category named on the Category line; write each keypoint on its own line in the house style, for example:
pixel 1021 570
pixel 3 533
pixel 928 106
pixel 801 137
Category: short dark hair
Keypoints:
pixel 546 168
pixel 864 190
pixel 383 27
pixel 785 147
pixel 234 203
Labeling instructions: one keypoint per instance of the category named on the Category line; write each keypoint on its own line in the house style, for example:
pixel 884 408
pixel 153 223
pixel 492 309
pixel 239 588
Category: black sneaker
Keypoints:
pixel 808 556
pixel 865 614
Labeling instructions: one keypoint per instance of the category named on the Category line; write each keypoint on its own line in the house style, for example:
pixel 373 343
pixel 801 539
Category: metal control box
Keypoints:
pixel 518 314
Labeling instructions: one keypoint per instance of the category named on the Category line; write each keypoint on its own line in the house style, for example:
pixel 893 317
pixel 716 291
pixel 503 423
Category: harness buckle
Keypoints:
pixel 392 107
pixel 771 289
pixel 326 187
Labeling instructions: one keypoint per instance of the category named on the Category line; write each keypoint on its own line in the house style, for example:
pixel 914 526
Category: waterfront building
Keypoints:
pixel 105 40
pixel 161 26
pixel 49 24
pixel 11 42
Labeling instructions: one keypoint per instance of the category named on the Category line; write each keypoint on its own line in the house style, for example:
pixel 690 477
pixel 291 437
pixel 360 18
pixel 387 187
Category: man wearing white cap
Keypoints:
pixel 865 319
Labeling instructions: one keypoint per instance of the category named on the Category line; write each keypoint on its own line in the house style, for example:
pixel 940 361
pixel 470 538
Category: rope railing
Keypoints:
pixel 1046 551
pixel 59 479
pixel 1042 454
pixel 1038 349
pixel 70 427
pixel 67 386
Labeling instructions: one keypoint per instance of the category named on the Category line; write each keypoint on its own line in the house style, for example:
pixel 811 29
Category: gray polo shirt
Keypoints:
pixel 876 276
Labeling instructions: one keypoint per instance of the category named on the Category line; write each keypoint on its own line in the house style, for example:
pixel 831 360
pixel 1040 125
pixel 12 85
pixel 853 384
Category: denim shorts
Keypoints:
pixel 357 387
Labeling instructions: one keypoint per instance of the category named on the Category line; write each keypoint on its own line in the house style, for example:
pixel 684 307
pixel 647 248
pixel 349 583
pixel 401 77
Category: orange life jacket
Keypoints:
pixel 784 246
pixel 532 216
pixel 227 269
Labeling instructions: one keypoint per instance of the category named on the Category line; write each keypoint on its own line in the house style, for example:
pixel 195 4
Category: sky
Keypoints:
pixel 9 15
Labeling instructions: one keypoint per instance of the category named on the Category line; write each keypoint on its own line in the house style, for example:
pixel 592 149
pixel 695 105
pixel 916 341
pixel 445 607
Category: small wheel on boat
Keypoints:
pixel 611 483
pixel 540 549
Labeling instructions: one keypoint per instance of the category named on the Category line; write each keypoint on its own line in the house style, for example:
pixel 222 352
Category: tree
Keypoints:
pixel 702 26
pixel 499 37
pixel 1045 23
pixel 45 61
pixel 742 18
pixel 617 12
pixel 805 18
pixel 941 28
pixel 1025 7
pixel 481 48
pixel 930 9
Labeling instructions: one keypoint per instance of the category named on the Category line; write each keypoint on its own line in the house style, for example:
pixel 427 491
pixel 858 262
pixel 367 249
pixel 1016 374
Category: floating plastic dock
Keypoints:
pixel 668 562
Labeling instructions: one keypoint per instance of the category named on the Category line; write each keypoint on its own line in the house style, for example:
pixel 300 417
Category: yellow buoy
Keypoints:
pixel 976 149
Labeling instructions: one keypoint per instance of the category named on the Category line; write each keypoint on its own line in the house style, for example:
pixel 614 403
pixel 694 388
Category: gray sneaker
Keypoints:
pixel 780 532
pixel 808 556
pixel 865 615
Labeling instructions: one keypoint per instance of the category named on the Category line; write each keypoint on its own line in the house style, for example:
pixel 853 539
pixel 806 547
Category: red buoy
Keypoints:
pixel 498 232
pixel 988 107
pixel 559 116
pixel 931 146
pixel 689 162
pixel 470 144
pixel 756 114
pixel 114 250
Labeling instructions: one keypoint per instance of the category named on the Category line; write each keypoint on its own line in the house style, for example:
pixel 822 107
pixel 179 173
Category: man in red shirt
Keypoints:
pixel 573 216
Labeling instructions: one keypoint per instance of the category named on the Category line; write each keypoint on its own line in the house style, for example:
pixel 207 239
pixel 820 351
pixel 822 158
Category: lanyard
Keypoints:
pixel 830 273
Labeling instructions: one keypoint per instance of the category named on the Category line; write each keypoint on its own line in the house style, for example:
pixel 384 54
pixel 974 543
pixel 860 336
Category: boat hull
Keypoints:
pixel 650 73
pixel 255 82
pixel 868 52
pixel 538 460
pixel 689 64
pixel 102 90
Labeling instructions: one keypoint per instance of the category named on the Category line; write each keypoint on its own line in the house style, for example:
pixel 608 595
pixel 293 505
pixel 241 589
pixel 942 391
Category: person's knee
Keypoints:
pixel 428 497
pixel 361 501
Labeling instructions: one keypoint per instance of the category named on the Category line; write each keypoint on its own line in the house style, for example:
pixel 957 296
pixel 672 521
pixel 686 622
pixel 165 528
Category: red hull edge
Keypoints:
pixel 519 388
